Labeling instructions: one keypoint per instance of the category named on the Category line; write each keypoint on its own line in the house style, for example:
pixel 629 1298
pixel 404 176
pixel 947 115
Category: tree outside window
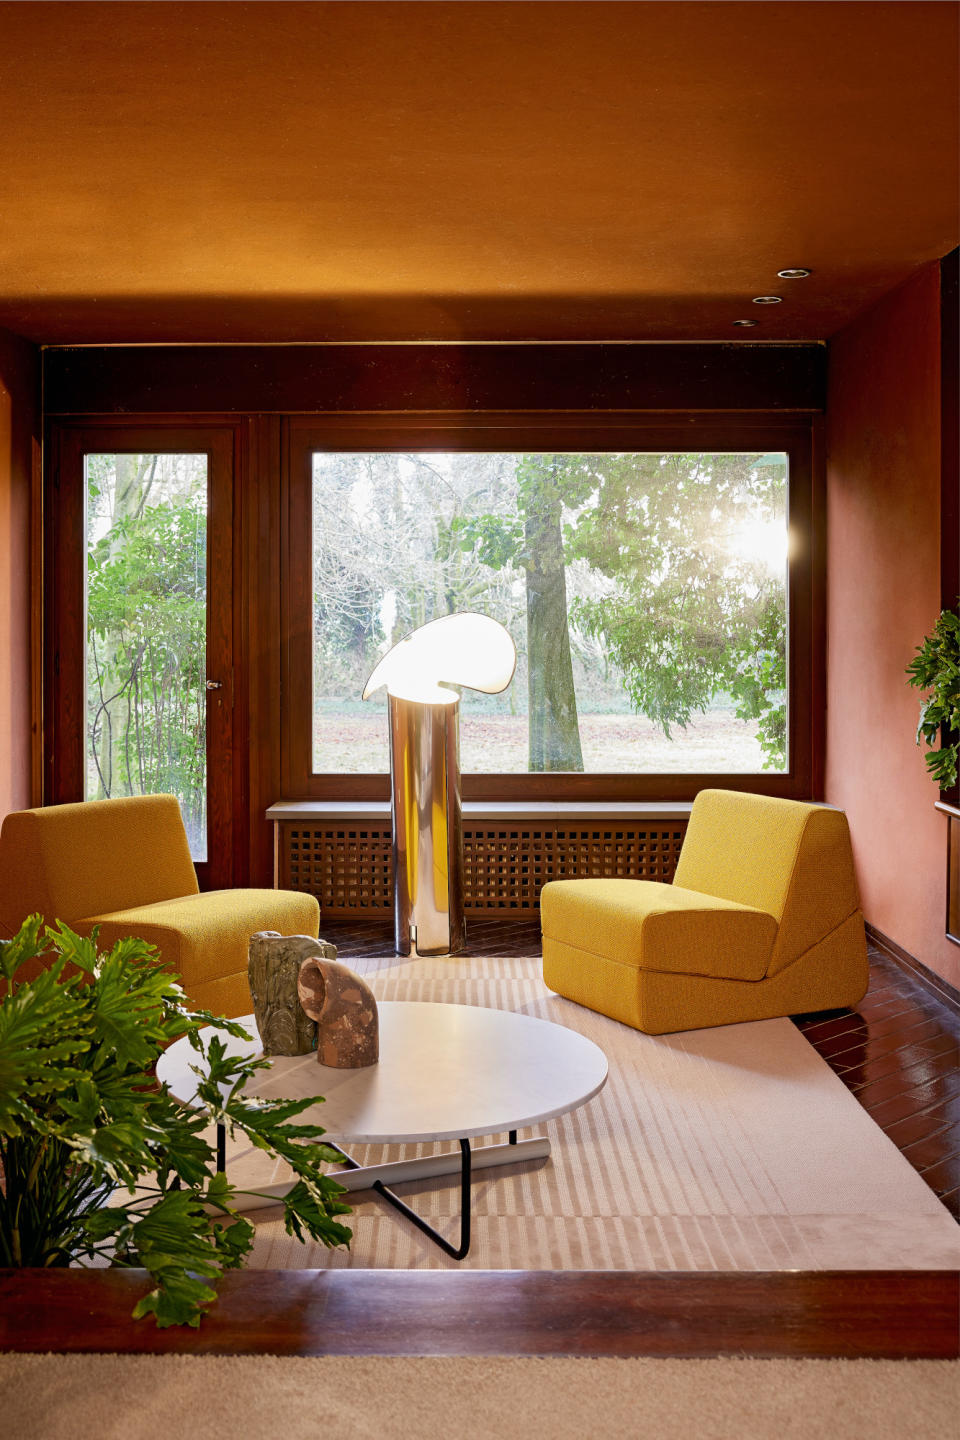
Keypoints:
pixel 146 630
pixel 646 594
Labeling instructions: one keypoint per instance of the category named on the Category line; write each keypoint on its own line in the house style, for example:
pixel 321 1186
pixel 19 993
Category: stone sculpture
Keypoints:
pixel 344 1007
pixel 273 965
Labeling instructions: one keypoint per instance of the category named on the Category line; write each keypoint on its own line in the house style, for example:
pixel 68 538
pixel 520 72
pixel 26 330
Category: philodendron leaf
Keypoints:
pixel 268 1114
pixel 78 950
pixel 201 1018
pixel 235 1241
pixel 110 1220
pixel 219 1190
pixel 180 1299
pixel 24 946
pixel 118 1150
pixel 41 1039
pixel 128 1007
pixel 82 1107
pixel 942 765
pixel 221 1073
pixel 303 1212
pixel 176 1137
pixel 181 1245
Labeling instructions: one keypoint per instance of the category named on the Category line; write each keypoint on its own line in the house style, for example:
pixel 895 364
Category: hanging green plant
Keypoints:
pixel 99 1162
pixel 936 667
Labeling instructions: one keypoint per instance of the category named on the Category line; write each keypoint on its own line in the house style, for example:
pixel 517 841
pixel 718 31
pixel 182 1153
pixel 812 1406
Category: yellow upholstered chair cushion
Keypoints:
pixel 659 927
pixel 205 938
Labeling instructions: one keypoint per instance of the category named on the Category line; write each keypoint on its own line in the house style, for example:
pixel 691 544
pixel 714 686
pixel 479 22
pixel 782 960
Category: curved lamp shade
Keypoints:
pixel 468 649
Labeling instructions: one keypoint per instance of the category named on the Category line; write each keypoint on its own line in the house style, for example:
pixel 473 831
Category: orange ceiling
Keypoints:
pixel 520 170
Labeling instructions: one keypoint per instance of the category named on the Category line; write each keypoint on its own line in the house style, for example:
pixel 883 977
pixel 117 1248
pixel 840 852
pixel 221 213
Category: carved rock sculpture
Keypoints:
pixel 273 966
pixel 344 1007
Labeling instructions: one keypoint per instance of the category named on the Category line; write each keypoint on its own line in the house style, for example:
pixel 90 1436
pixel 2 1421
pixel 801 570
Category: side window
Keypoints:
pixel 146 631
pixel 139 606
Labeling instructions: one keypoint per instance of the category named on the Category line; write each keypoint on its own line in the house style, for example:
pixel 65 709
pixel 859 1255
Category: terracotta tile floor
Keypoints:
pixel 899 1052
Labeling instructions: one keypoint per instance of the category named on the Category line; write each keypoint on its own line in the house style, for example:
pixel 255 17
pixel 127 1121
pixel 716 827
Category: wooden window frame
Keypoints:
pixel 544 431
pixel 64 634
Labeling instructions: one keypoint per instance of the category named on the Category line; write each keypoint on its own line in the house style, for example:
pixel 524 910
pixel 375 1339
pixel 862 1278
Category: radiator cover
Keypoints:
pixel 349 867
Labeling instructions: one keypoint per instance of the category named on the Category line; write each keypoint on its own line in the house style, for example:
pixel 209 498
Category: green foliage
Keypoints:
pixel 684 616
pixel 146 651
pixel 101 1162
pixel 497 540
pixel 689 617
pixel 936 667
pixel 759 680
pixel 544 483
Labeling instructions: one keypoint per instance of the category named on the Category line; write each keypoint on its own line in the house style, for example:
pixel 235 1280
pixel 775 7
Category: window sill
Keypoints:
pixel 506 811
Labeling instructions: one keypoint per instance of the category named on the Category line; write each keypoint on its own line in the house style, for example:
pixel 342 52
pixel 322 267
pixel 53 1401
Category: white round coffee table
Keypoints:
pixel 446 1072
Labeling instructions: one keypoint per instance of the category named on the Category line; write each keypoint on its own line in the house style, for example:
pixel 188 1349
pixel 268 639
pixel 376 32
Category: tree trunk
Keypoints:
pixel 554 731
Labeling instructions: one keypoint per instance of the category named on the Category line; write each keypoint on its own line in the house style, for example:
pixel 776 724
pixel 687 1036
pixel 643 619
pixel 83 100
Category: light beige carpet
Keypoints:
pixel 138 1397
pixel 735 1148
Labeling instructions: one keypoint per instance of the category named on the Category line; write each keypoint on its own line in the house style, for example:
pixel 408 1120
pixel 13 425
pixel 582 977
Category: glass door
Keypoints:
pixel 140 639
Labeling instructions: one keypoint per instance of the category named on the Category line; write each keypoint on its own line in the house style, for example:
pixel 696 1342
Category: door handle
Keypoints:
pixel 214 684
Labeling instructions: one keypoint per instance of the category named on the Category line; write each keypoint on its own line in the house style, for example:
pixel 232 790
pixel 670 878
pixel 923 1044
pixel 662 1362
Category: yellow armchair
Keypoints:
pixel 125 866
pixel 763 918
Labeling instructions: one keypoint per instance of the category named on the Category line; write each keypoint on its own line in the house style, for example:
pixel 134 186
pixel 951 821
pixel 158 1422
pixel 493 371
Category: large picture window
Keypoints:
pixel 651 593
pixel 646 594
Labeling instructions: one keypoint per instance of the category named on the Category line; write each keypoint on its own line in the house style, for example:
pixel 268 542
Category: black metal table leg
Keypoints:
pixel 348 1161
pixel 456 1252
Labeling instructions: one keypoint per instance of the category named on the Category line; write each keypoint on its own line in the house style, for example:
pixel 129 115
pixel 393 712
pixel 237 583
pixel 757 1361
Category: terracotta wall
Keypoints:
pixel 883 518
pixel 19 441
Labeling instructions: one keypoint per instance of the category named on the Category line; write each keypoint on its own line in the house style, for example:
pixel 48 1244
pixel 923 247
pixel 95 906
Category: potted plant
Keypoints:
pixel 936 667
pixel 99 1160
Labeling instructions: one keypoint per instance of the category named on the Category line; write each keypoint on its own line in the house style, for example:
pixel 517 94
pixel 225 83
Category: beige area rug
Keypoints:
pixel 735 1148
pixel 140 1397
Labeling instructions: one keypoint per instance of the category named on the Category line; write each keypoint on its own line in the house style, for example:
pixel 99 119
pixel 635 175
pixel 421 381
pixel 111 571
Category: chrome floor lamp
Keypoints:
pixel 468 650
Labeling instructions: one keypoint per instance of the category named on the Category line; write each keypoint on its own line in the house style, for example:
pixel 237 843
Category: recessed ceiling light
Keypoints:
pixel 793 274
pixel 745 322
pixel 767 299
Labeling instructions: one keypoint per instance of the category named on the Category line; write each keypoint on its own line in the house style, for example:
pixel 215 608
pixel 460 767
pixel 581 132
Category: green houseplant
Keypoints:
pixel 936 667
pixel 101 1162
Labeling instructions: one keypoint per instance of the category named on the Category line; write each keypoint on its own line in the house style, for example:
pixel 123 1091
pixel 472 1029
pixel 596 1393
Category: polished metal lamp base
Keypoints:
pixel 427 827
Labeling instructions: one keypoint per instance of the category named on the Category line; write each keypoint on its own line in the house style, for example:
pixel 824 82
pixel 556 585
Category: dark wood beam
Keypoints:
pixel 183 379
pixel 851 1314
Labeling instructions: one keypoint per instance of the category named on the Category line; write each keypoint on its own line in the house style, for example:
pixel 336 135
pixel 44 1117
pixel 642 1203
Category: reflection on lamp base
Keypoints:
pixel 427 829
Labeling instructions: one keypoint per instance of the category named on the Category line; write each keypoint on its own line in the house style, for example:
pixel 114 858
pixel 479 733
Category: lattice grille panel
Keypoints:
pixel 506 867
pixel 349 868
